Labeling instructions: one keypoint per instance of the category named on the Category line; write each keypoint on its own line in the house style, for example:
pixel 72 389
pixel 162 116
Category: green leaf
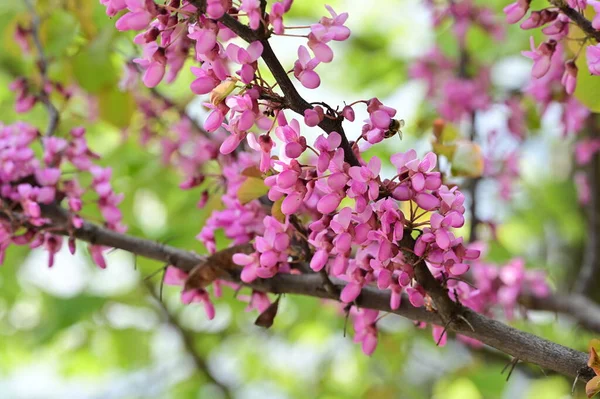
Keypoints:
pixel 460 388
pixel 116 107
pixel 92 67
pixel 58 32
pixel 251 189
pixel 276 210
pixel 444 149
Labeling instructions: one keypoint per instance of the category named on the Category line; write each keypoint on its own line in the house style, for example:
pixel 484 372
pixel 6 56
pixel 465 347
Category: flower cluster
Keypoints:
pixel 555 25
pixel 31 183
pixel 503 285
pixel 352 222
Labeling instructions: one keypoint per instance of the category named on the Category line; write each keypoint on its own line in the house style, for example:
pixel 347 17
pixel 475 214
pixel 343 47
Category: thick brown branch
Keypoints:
pixel 521 345
pixel 293 99
pixel 577 18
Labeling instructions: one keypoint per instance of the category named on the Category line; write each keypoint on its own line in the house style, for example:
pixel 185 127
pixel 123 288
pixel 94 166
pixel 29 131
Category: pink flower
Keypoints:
pixel 348 113
pixel 276 15
pixel 329 203
pixel 569 78
pixel 252 8
pixel 206 38
pixel 319 260
pixel 578 3
pixel 515 11
pixel 313 116
pixel 596 5
pixel 96 253
pixel 541 57
pixel 559 28
pixel 199 295
pixel 592 54
pixel 215 9
pixel 48 176
pixel 113 6
pixel 584 193
pixel 153 63
pixel 365 179
pixel 415 297
pixel 138 18
pixel 205 82
pixel 350 292
pixel 174 276
pixel 379 120
pixel 264 145
pixel 365 328
pixel 246 57
pixel 326 147
pixel 295 143
pixel 585 150
pixel 304 69
pixel 326 30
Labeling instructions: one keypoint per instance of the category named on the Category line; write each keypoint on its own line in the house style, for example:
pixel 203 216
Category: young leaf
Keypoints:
pixel 251 189
pixel 467 160
pixel 276 210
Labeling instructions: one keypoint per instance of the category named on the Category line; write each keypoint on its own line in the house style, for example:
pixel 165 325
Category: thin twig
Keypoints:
pixel 188 342
pixel 42 63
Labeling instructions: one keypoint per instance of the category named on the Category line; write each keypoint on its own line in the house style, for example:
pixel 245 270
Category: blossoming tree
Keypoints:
pixel 300 196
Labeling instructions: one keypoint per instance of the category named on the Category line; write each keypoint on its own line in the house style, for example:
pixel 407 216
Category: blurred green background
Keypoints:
pixel 75 331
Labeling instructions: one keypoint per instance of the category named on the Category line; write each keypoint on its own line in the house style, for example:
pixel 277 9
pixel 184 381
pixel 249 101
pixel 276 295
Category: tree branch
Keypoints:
pixel 577 18
pixel 53 114
pixel 519 344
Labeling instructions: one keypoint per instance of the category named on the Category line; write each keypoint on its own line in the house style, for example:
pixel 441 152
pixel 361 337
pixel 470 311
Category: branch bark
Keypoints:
pixel 519 344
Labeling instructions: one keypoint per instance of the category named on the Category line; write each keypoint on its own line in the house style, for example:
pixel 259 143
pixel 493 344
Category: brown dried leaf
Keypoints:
pixel 266 318
pixel 594 360
pixel 592 387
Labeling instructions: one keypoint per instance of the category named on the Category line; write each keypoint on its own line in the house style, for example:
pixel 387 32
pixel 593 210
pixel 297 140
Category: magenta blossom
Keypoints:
pixel 138 18
pixel 592 54
pixel 541 57
pixel 304 69
pixel 517 10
